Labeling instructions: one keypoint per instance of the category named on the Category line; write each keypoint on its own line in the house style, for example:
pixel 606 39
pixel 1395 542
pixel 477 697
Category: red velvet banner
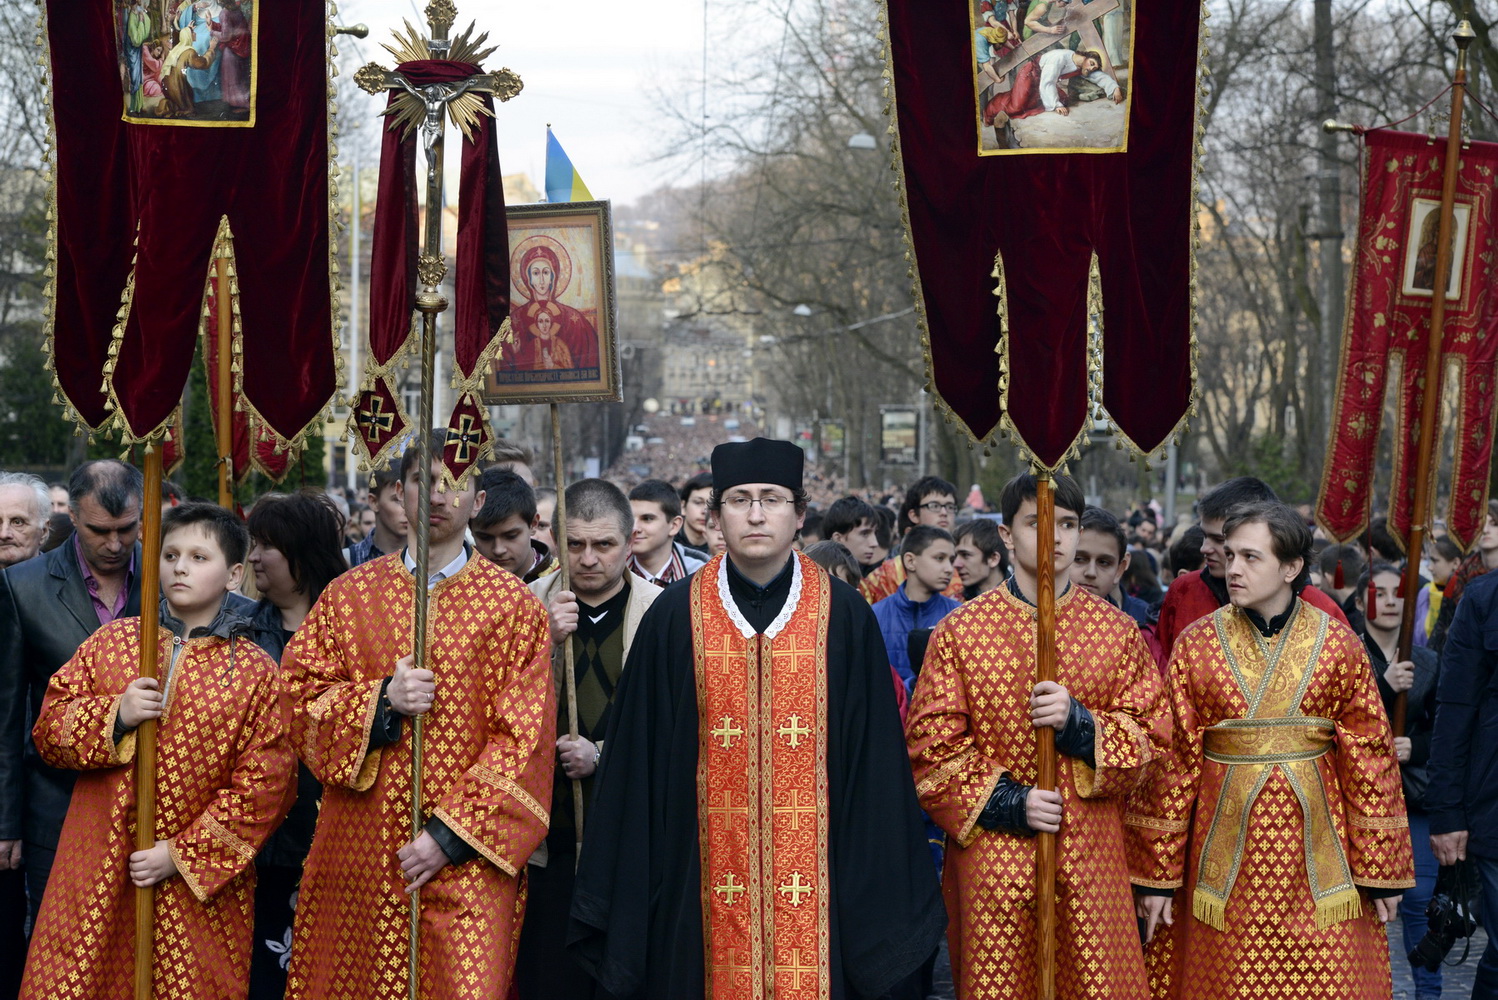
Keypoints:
pixel 1388 329
pixel 266 456
pixel 227 114
pixel 481 284
pixel 1040 140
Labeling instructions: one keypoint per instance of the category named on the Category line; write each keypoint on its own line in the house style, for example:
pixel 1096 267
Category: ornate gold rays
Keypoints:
pixel 407 111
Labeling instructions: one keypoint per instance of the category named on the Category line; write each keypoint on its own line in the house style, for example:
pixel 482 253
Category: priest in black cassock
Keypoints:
pixel 764 832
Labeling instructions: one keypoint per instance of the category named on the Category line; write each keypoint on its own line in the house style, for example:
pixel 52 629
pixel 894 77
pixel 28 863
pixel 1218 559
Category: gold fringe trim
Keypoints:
pixel 1004 427
pixel 1378 822
pixel 1345 904
pixel 1210 910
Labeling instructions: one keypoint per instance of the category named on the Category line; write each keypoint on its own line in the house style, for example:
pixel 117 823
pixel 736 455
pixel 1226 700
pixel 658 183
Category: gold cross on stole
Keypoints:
pixel 794 730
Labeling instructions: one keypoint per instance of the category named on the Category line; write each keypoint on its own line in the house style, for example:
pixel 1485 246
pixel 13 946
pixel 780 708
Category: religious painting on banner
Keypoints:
pixel 188 62
pixel 562 347
pixel 1071 283
pixel 1386 337
pixel 1053 76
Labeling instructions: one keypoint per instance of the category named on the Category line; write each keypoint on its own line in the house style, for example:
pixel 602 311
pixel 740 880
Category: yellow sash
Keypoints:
pixel 762 790
pixel 1272 738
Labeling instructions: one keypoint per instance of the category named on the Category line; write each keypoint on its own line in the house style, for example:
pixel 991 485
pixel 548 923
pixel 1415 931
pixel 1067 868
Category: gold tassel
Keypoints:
pixel 1339 906
pixel 1212 911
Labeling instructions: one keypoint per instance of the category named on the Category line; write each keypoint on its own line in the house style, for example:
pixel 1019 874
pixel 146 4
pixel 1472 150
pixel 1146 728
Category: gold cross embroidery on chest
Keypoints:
pixel 793 730
pixel 726 732
pixel 730 889
pixel 794 889
pixel 798 969
pixel 796 809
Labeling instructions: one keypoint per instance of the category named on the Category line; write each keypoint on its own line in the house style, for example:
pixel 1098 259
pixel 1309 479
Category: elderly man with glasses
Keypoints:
pixel 765 834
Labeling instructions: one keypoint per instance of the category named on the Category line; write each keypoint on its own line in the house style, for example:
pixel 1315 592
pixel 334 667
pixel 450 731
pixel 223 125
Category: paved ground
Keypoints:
pixel 1457 982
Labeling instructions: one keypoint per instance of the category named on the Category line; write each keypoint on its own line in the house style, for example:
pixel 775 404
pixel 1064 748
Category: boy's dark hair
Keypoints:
pixel 1350 556
pixel 1290 538
pixel 1360 592
pixel 1185 553
pixel 223 526
pixel 846 514
pixel 922 537
pixel 1025 487
pixel 1446 548
pixel 306 528
pixel 1382 541
pixel 701 481
pixel 920 490
pixel 113 485
pixel 1219 501
pixel 984 532
pixel 600 500
pixel 658 491
pixel 832 555
pixel 505 494
pixel 1104 523
pixel 884 525
pixel 171 493
pixel 438 440
pixel 811 526
pixel 505 452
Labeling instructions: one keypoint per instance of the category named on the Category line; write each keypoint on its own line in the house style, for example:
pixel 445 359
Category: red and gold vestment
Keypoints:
pixel 488 758
pixel 1279 801
pixel 762 790
pixel 225 767
pixel 969 724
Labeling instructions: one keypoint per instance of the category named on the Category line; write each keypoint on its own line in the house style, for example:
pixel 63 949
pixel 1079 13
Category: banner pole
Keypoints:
pixel 225 334
pixel 1045 670
pixel 1430 400
pixel 559 532
pixel 145 734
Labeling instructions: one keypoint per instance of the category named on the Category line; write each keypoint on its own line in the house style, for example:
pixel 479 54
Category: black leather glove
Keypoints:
pixel 1005 811
pixel 1078 738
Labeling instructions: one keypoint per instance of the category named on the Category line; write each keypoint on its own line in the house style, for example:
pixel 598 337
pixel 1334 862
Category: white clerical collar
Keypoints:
pixel 451 569
pixel 737 616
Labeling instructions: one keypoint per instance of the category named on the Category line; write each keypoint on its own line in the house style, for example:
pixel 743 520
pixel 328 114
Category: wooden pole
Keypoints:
pixel 559 532
pixel 1045 670
pixel 225 426
pixel 145 734
pixel 1430 400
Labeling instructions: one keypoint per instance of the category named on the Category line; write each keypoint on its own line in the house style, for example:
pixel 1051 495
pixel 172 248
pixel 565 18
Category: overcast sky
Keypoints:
pixel 592 72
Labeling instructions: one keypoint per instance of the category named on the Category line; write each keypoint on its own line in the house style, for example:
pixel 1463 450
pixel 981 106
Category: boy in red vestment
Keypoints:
pixel 225 768
pixel 971 741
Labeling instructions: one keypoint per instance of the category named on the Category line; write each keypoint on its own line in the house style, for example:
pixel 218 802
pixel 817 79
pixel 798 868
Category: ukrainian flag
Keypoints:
pixel 562 180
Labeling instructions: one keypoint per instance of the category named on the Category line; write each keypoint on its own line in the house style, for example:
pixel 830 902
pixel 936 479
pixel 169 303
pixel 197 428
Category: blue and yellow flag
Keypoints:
pixel 562 180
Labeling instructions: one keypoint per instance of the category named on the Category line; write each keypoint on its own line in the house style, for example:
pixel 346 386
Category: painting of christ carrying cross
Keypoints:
pixel 1052 76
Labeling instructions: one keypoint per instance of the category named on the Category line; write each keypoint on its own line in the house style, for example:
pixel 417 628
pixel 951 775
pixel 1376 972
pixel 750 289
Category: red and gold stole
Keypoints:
pixel 762 789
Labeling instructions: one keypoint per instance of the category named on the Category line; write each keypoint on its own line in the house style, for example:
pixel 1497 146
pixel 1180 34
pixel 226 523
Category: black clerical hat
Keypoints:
pixel 762 460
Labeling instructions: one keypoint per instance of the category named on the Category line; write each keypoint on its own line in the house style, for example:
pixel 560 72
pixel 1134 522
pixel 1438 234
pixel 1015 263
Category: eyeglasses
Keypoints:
pixel 769 503
pixel 939 508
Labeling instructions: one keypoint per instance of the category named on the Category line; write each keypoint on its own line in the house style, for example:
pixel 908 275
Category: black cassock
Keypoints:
pixel 637 909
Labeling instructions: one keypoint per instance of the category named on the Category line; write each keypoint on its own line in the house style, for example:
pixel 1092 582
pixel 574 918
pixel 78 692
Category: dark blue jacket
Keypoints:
pixel 898 615
pixel 1463 769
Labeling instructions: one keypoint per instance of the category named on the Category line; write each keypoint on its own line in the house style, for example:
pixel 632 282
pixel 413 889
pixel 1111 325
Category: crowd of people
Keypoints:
pixel 732 737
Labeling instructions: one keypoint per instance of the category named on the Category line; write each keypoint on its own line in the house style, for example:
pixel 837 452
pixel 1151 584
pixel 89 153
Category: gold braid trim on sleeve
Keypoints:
pixel 122 752
pixel 228 839
pixel 1150 883
pixel 367 763
pixel 966 835
pixel 512 789
pixel 941 774
pixel 1155 823
pixel 474 842
pixel 186 872
pixel 1378 822
pixel 1384 883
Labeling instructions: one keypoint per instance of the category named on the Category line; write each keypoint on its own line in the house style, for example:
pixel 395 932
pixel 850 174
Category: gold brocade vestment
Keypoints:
pixel 1280 799
pixel 489 754
pixel 224 771
pixel 969 724
pixel 762 789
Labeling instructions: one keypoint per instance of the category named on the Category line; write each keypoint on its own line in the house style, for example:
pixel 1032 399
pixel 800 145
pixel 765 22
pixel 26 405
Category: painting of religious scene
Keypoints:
pixel 187 62
pixel 1420 249
pixel 1052 76
pixel 561 345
